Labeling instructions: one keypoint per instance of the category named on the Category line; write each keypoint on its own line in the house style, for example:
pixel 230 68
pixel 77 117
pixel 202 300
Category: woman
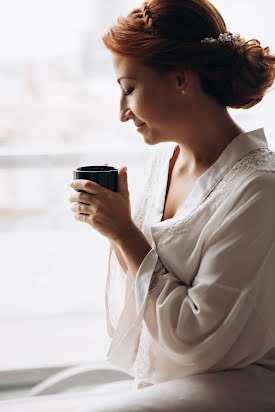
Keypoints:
pixel 190 288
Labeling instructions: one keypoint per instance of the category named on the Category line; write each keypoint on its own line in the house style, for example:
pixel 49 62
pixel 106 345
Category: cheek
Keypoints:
pixel 154 105
pixel 151 102
pixel 143 105
pixel 164 106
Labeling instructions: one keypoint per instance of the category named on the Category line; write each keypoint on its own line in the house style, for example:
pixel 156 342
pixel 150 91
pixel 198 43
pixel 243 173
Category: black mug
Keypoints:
pixel 105 176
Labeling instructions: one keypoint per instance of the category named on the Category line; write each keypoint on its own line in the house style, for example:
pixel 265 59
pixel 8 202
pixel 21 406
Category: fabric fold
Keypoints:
pixel 203 296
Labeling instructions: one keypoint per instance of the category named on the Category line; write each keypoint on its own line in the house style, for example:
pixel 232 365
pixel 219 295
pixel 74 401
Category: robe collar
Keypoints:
pixel 233 152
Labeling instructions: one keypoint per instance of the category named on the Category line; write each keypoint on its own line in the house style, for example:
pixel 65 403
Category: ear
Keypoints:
pixel 181 79
pixel 185 80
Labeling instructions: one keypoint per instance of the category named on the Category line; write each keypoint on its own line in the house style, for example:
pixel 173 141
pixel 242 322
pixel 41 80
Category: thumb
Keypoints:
pixel 122 181
pixel 122 171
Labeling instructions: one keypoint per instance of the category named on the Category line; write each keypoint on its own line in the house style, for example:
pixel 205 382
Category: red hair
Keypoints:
pixel 166 35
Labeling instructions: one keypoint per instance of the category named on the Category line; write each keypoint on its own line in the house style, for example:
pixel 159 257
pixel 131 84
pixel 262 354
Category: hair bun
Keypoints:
pixel 253 73
pixel 166 35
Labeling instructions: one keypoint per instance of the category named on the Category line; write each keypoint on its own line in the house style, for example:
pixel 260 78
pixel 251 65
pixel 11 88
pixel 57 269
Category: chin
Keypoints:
pixel 151 141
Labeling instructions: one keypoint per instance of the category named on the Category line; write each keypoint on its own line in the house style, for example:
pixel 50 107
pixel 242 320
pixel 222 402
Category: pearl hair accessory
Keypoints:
pixel 225 37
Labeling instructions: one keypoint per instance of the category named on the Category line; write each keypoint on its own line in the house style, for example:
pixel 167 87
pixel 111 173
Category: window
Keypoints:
pixel 57 90
pixel 53 118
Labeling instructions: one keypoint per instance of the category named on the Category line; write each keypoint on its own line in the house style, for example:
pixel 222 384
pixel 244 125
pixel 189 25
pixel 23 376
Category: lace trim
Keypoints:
pixel 152 175
pixel 159 271
pixel 144 362
pixel 258 159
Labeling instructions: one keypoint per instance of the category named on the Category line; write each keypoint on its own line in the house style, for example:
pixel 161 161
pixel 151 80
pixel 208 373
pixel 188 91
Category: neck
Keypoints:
pixel 204 142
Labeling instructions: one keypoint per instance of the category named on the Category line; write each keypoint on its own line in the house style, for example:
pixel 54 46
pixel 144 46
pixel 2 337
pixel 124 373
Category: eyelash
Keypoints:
pixel 127 91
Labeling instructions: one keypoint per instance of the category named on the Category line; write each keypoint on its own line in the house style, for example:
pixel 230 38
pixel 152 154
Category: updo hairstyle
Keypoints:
pixel 166 35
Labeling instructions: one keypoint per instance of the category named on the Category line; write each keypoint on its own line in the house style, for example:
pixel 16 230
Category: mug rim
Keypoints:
pixel 107 169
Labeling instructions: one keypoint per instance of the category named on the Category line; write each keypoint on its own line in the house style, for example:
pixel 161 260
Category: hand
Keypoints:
pixel 106 211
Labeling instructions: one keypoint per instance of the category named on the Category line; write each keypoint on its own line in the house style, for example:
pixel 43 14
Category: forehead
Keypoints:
pixel 124 65
pixel 130 67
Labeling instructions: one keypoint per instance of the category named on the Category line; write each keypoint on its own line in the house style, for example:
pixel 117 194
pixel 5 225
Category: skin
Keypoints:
pixel 200 125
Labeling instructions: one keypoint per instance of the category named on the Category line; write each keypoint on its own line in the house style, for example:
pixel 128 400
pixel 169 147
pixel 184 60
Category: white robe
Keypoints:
pixel 210 272
pixel 202 339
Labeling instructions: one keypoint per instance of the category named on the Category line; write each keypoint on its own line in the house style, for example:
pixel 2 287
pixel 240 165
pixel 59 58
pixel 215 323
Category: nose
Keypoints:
pixel 125 114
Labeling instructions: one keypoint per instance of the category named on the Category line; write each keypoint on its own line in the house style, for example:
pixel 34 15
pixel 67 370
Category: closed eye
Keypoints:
pixel 129 91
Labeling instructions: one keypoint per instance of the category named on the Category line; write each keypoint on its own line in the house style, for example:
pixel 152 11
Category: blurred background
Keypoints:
pixel 59 109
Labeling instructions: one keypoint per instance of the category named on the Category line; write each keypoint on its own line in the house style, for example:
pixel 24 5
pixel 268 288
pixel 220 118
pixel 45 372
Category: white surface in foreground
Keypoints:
pixel 53 341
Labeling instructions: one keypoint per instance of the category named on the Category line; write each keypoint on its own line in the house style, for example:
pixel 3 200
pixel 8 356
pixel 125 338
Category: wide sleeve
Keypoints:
pixel 118 285
pixel 225 319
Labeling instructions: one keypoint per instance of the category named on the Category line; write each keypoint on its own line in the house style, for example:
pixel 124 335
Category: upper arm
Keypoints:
pixel 236 249
pixel 220 321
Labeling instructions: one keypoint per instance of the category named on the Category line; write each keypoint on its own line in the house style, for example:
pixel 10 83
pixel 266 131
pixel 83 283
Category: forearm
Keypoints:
pixel 119 257
pixel 134 248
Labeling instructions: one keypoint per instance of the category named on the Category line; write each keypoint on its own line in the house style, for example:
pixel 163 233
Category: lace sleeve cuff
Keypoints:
pixel 149 273
pixel 159 271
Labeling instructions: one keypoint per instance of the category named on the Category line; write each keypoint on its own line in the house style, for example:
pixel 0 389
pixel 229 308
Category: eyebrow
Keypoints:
pixel 118 80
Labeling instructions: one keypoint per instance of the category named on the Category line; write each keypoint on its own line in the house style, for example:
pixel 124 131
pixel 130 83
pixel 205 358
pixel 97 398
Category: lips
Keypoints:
pixel 140 124
pixel 141 127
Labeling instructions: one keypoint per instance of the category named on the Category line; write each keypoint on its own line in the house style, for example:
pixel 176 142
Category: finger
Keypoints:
pixel 81 208
pixel 81 197
pixel 87 186
pixel 82 217
pixel 105 164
